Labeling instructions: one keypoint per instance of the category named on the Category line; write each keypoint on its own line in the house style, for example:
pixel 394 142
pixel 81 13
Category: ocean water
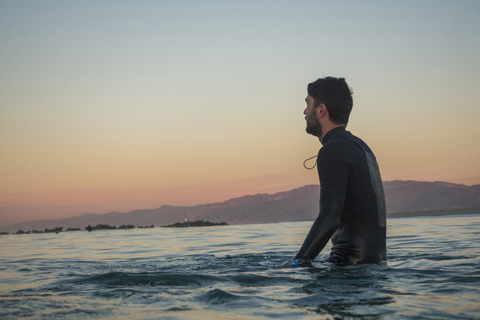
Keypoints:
pixel 225 272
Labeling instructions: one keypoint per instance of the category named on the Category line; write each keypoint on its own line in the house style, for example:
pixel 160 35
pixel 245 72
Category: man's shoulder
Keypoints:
pixel 336 146
pixel 342 143
pixel 343 136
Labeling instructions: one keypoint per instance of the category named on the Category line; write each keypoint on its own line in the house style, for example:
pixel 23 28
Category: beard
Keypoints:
pixel 314 127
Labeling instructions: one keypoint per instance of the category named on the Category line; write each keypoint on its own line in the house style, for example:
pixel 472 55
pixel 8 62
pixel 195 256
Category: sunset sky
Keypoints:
pixel 122 105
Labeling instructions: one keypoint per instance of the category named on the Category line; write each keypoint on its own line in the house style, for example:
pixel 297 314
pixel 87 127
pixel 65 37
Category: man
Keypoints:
pixel 352 200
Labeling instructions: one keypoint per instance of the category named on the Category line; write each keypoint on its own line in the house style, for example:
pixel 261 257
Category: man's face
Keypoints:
pixel 313 124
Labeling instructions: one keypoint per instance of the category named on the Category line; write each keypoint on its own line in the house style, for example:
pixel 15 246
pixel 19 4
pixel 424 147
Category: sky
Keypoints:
pixel 122 105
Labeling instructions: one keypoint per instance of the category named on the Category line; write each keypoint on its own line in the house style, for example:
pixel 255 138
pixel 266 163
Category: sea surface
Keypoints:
pixel 225 272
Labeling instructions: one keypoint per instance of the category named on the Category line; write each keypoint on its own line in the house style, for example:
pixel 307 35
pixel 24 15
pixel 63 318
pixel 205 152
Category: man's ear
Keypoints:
pixel 321 110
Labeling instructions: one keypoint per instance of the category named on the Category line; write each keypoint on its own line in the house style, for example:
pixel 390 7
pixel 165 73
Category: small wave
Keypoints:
pixel 253 280
pixel 217 296
pixel 115 279
pixel 428 264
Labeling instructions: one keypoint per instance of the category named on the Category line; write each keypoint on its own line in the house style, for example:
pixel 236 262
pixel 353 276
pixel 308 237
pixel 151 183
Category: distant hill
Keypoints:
pixel 404 196
pixel 294 205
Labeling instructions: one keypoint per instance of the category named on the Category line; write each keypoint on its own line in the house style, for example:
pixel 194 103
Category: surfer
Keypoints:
pixel 352 201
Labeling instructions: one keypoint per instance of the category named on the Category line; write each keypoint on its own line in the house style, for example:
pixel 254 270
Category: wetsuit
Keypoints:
pixel 352 203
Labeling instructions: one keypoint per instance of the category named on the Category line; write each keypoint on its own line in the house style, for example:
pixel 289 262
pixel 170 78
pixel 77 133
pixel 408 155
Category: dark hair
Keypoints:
pixel 335 94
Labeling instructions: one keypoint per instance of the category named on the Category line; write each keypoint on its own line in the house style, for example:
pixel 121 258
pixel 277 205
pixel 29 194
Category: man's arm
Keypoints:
pixel 333 170
pixel 323 228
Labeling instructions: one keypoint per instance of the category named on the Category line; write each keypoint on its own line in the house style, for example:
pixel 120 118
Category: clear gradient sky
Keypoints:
pixel 120 105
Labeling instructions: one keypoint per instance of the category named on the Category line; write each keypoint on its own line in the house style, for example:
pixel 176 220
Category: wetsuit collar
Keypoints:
pixel 332 133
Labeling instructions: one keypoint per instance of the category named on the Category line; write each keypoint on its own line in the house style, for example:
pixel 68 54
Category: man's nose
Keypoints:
pixel 305 111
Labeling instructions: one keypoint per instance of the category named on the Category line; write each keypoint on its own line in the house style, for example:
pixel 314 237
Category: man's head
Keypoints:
pixel 335 94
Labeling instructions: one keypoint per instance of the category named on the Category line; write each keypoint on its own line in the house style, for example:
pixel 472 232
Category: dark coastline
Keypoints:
pixel 198 223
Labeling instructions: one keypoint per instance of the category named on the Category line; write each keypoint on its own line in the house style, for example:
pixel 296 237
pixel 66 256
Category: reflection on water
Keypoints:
pixel 225 273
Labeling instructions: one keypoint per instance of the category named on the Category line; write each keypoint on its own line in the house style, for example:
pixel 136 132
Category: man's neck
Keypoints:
pixel 327 127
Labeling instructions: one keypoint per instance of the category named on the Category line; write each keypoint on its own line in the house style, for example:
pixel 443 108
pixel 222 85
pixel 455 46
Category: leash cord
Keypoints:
pixel 313 164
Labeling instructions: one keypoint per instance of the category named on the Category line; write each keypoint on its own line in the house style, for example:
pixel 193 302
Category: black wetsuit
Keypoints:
pixel 352 203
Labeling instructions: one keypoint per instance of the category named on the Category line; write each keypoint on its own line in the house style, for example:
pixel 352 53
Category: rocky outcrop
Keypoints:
pixel 198 223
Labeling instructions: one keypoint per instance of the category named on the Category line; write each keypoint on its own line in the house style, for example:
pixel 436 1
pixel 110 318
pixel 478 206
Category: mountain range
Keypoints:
pixel 298 204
